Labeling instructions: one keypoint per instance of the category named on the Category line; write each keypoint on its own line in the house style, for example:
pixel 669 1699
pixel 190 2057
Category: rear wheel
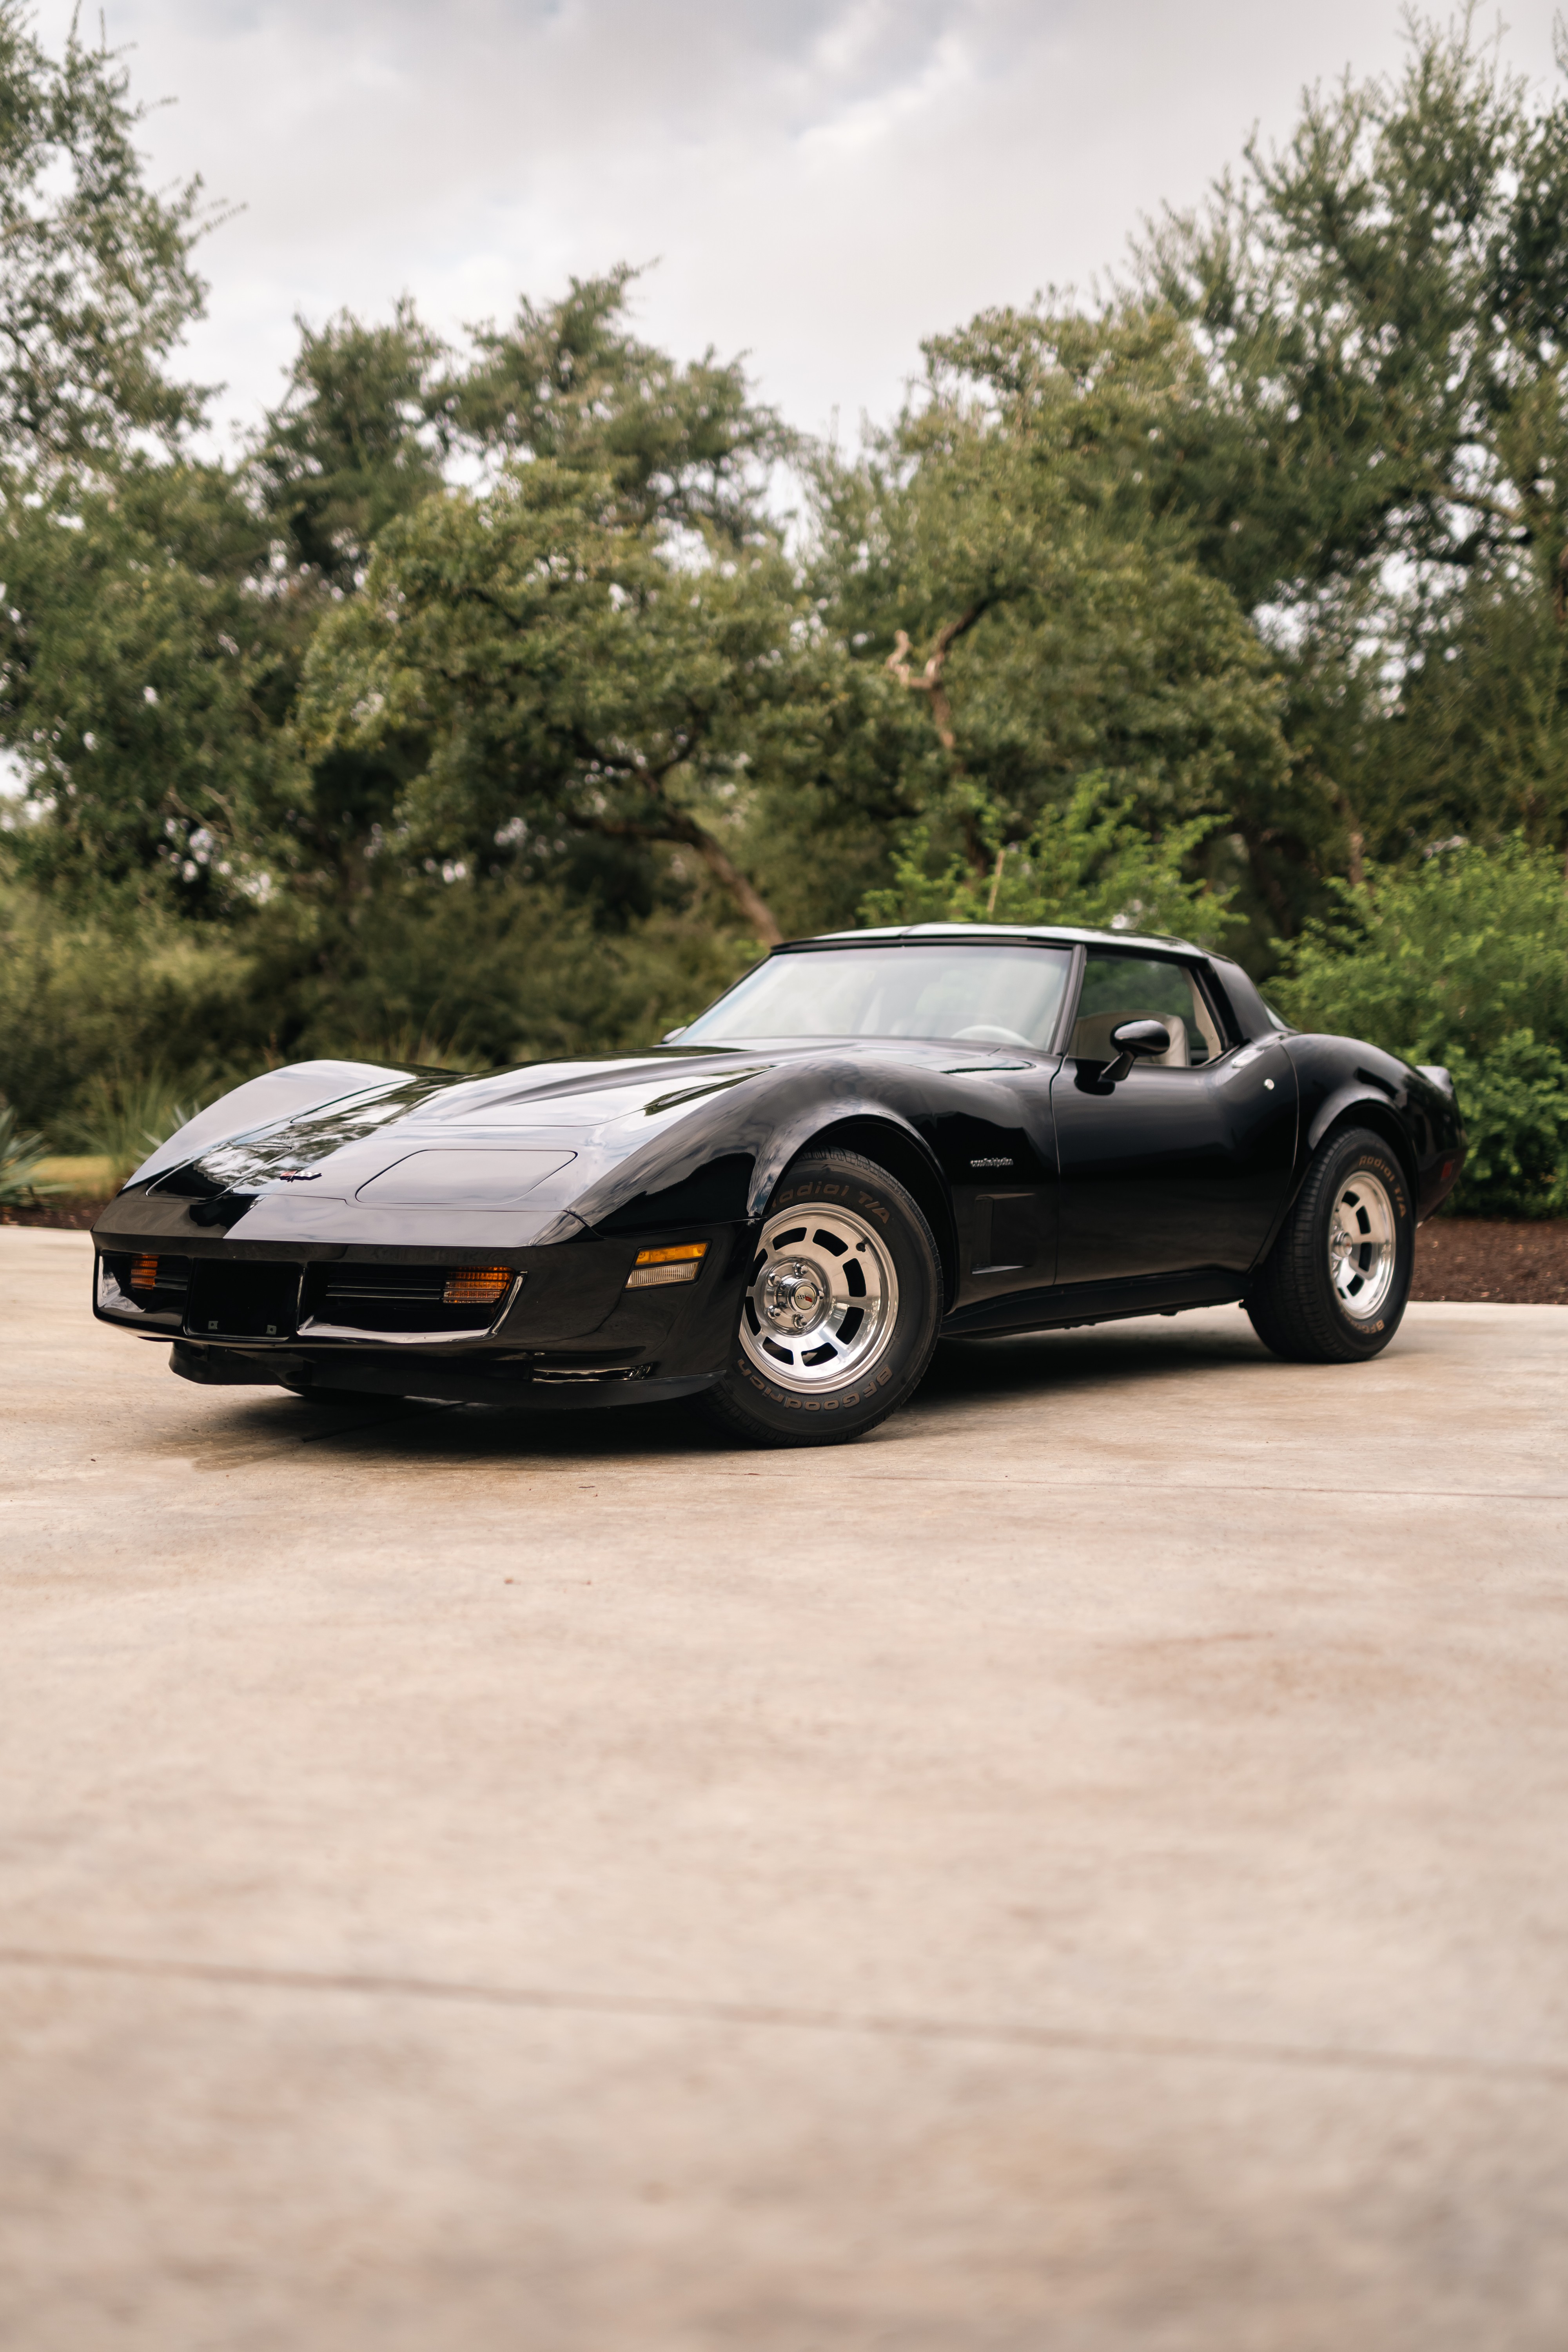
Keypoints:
pixel 840 1311
pixel 1333 1288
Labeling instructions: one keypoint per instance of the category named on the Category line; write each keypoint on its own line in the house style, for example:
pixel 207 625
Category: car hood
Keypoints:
pixel 521 1154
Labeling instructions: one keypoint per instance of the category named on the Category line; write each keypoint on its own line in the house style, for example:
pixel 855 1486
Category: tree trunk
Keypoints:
pixel 749 901
pixel 1357 864
pixel 1268 885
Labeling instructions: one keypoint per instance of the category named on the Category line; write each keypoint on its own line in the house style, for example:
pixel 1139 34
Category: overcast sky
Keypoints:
pixel 821 182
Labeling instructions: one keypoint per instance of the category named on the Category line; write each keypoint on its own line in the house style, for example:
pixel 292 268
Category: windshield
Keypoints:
pixel 989 996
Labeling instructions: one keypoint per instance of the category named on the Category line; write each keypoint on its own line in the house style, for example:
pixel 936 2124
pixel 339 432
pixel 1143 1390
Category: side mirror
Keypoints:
pixel 1135 1041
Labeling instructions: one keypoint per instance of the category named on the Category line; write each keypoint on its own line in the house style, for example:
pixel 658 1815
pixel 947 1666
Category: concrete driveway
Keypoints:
pixel 1085 1868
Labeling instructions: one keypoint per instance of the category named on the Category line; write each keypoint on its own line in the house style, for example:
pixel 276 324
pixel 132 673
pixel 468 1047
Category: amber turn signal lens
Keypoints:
pixel 476 1285
pixel 143 1273
pixel 681 1262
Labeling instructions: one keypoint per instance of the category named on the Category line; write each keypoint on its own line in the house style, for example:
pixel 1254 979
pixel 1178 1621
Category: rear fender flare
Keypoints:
pixel 1360 1104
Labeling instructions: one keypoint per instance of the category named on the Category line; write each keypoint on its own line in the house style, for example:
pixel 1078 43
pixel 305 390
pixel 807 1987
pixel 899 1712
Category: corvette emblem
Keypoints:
pixel 298 1175
pixel 991 1163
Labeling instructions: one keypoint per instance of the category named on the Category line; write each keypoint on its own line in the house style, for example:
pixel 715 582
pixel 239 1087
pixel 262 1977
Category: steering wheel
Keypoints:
pixel 987 1033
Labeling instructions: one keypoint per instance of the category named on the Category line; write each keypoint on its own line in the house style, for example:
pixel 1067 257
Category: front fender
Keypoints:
pixel 724 1160
pixel 806 1122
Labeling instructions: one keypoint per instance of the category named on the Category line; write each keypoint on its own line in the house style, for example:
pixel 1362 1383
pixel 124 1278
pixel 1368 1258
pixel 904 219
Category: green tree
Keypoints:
pixel 144 683
pixel 1010 571
pixel 97 286
pixel 1089 863
pixel 568 382
pixel 1380 306
pixel 548 669
pixel 350 445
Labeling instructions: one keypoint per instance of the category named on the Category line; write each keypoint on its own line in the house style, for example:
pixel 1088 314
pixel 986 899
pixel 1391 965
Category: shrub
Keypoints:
pixel 1090 862
pixel 124 1119
pixel 1461 959
pixel 21 1156
pixel 124 989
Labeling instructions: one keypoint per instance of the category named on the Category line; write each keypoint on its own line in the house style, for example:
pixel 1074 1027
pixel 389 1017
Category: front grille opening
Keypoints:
pixel 242 1299
pixel 438 1301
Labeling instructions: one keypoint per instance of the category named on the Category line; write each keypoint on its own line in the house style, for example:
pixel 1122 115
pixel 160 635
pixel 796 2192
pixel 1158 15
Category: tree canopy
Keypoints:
pixel 511 689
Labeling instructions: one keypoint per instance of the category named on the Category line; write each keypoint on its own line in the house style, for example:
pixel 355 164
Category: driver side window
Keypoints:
pixel 1118 988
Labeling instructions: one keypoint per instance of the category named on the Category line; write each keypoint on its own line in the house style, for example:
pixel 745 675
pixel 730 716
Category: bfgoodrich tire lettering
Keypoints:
pixel 840 1312
pixel 1334 1286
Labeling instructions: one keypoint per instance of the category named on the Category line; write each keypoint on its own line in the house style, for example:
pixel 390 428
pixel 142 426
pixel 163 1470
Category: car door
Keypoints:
pixel 1180 1166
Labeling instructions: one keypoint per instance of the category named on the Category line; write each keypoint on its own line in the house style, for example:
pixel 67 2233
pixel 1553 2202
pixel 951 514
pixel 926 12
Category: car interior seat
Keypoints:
pixel 1091 1038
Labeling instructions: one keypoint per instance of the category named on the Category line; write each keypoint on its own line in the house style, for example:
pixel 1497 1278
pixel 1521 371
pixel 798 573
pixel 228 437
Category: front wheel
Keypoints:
pixel 1335 1284
pixel 840 1311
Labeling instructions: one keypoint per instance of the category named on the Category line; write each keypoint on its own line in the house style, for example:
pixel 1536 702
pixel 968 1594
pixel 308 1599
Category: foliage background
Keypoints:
pixel 506 700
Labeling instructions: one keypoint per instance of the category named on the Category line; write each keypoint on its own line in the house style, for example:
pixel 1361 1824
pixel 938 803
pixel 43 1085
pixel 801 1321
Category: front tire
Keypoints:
pixel 840 1311
pixel 1335 1285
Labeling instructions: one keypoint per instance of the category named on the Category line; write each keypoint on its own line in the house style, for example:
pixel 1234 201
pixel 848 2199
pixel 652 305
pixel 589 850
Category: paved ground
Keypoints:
pixel 1084 1869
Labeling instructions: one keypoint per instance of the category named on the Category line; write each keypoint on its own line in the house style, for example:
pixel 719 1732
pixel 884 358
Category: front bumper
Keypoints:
pixel 567 1329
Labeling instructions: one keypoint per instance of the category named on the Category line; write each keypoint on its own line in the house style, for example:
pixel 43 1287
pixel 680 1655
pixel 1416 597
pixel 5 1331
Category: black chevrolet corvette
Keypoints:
pixel 873 1141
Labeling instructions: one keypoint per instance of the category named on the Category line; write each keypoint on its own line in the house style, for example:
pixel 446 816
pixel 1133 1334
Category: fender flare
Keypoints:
pixel 821 1121
pixel 1334 1110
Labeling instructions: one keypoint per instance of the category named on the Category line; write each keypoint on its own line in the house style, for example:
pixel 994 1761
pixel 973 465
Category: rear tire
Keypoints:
pixel 840 1311
pixel 1335 1285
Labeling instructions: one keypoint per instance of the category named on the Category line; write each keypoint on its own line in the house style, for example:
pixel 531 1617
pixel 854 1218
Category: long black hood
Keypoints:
pixel 347 1152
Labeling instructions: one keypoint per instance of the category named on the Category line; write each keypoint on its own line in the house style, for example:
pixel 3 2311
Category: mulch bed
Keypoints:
pixel 1458 1258
pixel 61 1212
pixel 1472 1258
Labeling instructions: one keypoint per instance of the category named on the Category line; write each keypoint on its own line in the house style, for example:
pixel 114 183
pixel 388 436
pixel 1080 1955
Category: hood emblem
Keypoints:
pixel 298 1175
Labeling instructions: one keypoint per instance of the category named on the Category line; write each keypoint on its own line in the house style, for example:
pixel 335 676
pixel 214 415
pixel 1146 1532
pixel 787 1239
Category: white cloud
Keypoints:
pixel 822 182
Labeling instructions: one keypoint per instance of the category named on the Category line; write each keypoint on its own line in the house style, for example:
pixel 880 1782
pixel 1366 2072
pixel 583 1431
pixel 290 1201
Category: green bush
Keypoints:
pixel 113 1020
pixel 21 1156
pixel 1515 1102
pixel 1090 862
pixel 123 1118
pixel 122 990
pixel 1461 959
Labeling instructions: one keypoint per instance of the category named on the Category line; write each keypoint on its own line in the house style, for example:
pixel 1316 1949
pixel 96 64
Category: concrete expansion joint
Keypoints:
pixel 1547 2074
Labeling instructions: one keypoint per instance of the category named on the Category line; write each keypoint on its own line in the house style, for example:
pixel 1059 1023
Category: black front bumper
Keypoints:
pixel 568 1330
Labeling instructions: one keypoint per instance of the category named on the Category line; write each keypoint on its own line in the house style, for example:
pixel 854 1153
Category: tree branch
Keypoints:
pixel 676 826
pixel 931 681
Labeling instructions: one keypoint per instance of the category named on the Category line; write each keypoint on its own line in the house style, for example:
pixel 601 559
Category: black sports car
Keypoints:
pixel 873 1140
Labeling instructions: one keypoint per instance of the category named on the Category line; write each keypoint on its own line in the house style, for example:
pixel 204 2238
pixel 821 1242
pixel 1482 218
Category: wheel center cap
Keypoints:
pixel 1339 1244
pixel 794 1294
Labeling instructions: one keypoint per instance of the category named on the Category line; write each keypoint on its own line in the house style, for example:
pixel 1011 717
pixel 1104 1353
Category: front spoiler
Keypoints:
pixel 521 1388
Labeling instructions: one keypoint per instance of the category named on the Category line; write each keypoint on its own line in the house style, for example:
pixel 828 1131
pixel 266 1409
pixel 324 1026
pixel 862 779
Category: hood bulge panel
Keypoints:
pixel 466 1176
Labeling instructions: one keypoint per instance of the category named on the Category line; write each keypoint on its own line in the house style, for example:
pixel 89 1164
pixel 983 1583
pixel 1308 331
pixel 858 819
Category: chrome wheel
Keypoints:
pixel 822 1298
pixel 1362 1246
